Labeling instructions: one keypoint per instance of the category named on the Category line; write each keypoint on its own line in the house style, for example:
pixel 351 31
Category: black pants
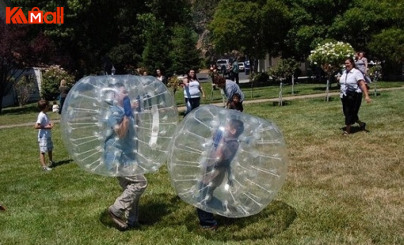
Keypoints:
pixel 350 106
pixel 191 103
pixel 234 76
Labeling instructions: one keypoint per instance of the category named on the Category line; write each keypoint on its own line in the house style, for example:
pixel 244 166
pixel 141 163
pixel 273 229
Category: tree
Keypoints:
pixel 389 45
pixel 12 52
pixel 18 51
pixel 237 26
pixel 285 69
pixel 157 45
pixel 253 27
pixel 330 56
pixel 309 24
pixel 183 56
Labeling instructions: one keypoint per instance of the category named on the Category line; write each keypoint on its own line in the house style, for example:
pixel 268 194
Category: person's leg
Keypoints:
pixel 61 102
pixel 50 156
pixel 196 102
pixel 206 219
pixel 188 106
pixel 124 211
pixel 240 106
pixel 138 187
pixel 42 159
pixel 358 103
pixel 43 149
pixel 348 109
pixel 237 78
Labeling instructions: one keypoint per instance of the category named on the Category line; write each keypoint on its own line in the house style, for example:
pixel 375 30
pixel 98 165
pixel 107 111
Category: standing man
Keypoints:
pixel 234 71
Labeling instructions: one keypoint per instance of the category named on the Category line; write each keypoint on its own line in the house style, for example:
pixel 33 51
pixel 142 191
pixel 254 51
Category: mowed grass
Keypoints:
pixel 338 190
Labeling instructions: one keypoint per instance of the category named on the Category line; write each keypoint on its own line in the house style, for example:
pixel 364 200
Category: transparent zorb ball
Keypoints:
pixel 93 107
pixel 215 169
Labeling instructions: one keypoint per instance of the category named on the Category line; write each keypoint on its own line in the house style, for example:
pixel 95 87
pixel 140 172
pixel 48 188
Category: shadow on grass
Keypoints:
pixel 62 162
pixel 273 220
pixel 284 103
pixel 355 129
pixel 20 110
pixel 151 211
pixel 333 88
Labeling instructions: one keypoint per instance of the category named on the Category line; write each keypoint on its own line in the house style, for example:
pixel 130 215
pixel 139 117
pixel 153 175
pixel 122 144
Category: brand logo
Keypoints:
pixel 35 16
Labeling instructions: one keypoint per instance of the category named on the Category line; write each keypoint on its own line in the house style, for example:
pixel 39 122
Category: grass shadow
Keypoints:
pixel 151 211
pixel 273 220
pixel 62 162
pixel 355 129
pixel 30 108
pixel 284 103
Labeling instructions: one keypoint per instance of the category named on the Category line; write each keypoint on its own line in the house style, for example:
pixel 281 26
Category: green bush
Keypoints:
pixel 51 81
pixel 262 77
pixel 284 70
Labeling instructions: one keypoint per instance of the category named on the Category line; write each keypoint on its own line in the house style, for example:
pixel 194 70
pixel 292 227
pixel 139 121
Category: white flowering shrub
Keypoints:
pixel 331 55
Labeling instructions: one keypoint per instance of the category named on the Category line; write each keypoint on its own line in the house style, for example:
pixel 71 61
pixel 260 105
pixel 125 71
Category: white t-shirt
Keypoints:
pixel 349 81
pixel 43 120
pixel 192 90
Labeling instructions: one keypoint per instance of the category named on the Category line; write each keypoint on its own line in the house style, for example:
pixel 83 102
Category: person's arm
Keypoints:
pixel 202 92
pixel 364 89
pixel 122 128
pixel 366 66
pixel 38 126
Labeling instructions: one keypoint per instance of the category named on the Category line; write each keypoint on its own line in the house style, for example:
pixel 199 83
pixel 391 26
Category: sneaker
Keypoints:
pixel 209 227
pixel 117 220
pixel 2 208
pixel 51 164
pixel 45 168
pixel 362 126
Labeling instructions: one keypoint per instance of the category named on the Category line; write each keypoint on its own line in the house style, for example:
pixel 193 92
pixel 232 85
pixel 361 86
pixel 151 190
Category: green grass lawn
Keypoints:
pixel 339 189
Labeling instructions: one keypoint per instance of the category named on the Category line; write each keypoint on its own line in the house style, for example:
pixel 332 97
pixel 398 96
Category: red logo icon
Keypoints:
pixel 35 16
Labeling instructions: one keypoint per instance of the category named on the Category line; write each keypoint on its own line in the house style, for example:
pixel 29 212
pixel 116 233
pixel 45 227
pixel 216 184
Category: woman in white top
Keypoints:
pixel 192 92
pixel 352 86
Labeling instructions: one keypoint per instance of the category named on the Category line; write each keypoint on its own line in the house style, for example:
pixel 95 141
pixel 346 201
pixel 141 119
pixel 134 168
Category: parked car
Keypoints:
pixel 247 67
pixel 223 65
pixel 241 66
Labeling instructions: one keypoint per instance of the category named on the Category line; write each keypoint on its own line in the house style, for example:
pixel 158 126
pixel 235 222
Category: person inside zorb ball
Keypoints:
pixel 227 162
pixel 119 125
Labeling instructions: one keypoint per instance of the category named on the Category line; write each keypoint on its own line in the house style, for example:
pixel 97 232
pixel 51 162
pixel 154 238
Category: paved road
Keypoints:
pixel 204 77
pixel 182 108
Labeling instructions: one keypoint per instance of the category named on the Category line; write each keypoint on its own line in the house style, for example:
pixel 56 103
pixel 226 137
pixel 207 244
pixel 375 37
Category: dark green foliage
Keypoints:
pixel 182 56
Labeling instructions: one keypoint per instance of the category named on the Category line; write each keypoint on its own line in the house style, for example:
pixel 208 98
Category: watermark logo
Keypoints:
pixel 35 16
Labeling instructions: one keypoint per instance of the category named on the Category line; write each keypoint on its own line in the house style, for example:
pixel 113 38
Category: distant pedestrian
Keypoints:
pixel 361 63
pixel 235 71
pixel 64 89
pixel 192 91
pixel 55 107
pixel 161 77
